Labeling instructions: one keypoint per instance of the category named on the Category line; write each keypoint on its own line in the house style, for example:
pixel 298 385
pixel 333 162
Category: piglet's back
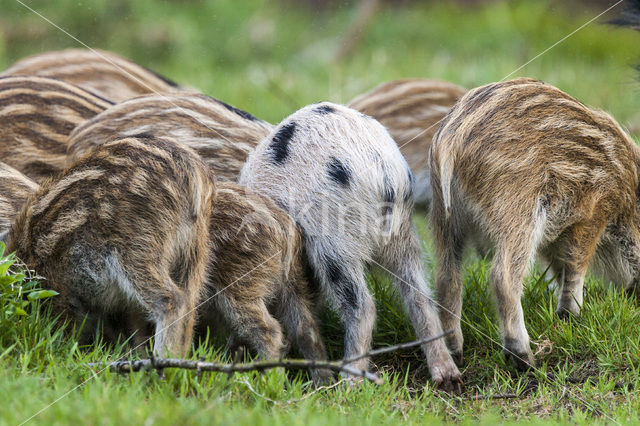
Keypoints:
pixel 130 190
pixel 37 115
pixel 220 133
pixel 105 73
pixel 526 139
pixel 124 231
pixel 411 110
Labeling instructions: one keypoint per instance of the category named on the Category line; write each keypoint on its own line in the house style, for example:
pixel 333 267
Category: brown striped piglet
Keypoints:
pixel 37 115
pixel 124 233
pixel 259 279
pixel 98 71
pixel 530 170
pixel 257 271
pixel 221 134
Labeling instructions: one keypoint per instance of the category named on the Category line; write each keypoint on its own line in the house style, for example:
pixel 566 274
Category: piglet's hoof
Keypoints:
pixel 452 386
pixel 521 359
pixel 447 378
pixel 564 313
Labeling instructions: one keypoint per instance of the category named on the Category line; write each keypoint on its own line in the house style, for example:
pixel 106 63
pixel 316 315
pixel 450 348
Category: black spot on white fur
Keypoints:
pixel 350 294
pixel 346 289
pixel 339 172
pixel 389 193
pixel 325 109
pixel 389 197
pixel 334 270
pixel 280 143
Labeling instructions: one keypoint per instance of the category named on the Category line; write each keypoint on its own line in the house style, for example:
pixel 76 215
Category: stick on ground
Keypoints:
pixel 292 364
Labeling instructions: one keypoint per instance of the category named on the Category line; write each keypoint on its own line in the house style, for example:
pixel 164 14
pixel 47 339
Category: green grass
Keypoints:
pixel 271 59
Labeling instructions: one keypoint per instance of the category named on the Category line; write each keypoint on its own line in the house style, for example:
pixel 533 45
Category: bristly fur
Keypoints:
pixel 411 111
pixel 124 233
pixel 15 189
pixel 98 71
pixel 527 168
pixel 348 227
pixel 219 134
pixel 36 116
pixel 259 279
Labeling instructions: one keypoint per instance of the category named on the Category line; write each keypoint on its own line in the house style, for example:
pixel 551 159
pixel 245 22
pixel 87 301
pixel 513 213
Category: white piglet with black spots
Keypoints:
pixel 339 173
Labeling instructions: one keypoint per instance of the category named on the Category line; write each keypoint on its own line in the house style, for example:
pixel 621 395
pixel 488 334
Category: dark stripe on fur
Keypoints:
pixel 280 142
pixel 339 172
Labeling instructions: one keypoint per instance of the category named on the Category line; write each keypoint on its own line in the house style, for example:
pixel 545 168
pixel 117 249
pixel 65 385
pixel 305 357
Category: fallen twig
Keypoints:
pixel 342 366
pixel 292 364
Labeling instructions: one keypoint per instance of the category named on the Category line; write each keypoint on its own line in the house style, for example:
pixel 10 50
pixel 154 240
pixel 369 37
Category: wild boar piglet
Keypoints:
pixel 104 73
pixel 341 177
pixel 124 233
pixel 221 134
pixel 411 110
pixel 525 167
pixel 37 115
pixel 259 280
